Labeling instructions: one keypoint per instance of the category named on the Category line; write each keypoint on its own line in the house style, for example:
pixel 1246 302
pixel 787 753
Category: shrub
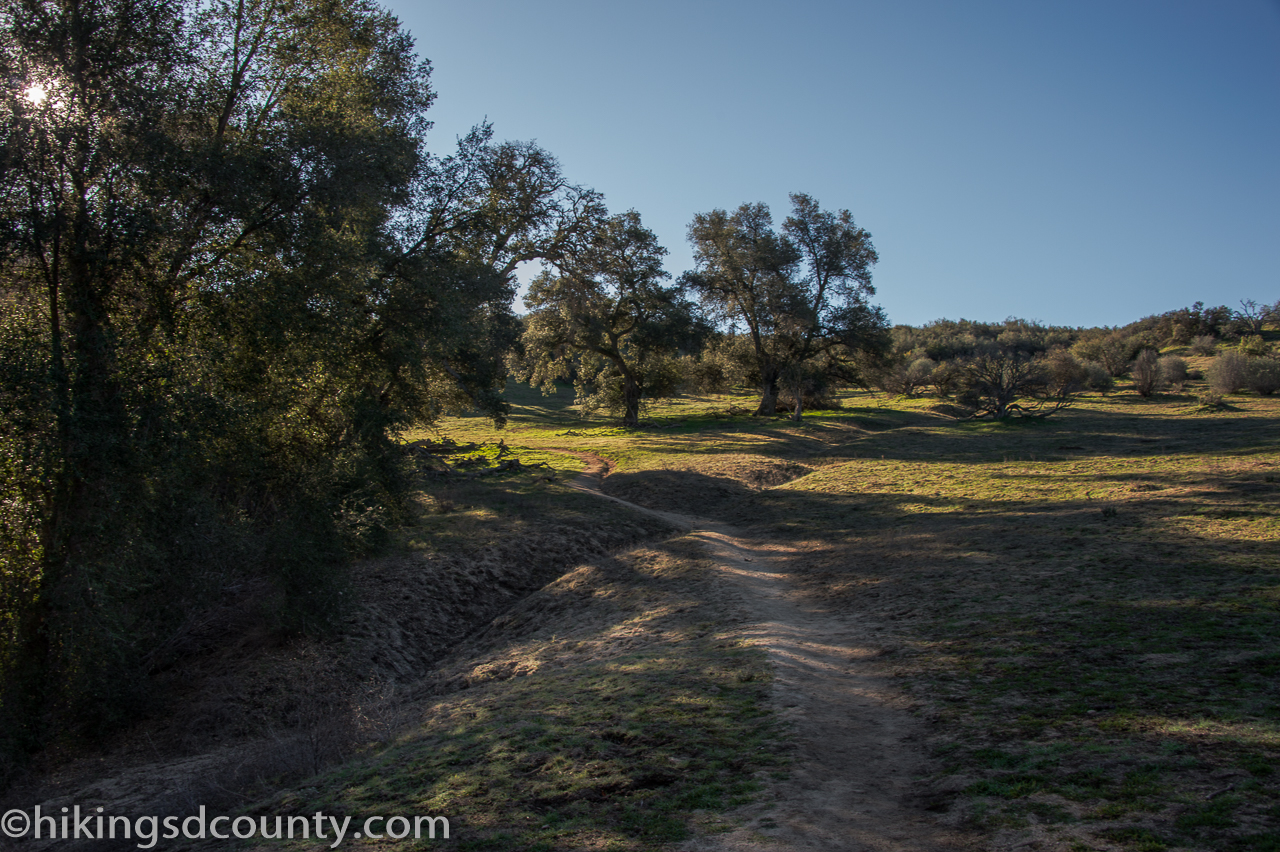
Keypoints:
pixel 704 375
pixel 1262 375
pixel 1066 374
pixel 1227 372
pixel 1113 351
pixel 1097 377
pixel 1173 371
pixel 1254 345
pixel 919 372
pixel 1203 345
pixel 1211 399
pixel 1146 373
pixel 946 377
pixel 906 379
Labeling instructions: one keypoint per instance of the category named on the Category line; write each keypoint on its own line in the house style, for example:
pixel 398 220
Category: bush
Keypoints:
pixel 1097 377
pixel 1173 371
pixel 1254 345
pixel 1113 351
pixel 704 375
pixel 1001 384
pixel 1146 373
pixel 1227 372
pixel 919 373
pixel 1211 399
pixel 946 377
pixel 906 379
pixel 1203 345
pixel 1066 374
pixel 1262 376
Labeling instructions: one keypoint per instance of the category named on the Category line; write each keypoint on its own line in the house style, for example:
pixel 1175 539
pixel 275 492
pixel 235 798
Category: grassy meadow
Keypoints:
pixel 1085 610
pixel 1086 607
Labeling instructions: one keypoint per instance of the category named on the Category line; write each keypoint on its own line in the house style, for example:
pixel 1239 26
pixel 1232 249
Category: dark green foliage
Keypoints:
pixel 908 376
pixel 1002 383
pixel 1182 326
pixel 802 294
pixel 230 273
pixel 608 318
pixel 943 340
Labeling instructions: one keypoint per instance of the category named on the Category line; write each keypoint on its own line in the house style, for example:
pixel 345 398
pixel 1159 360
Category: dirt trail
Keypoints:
pixel 852 782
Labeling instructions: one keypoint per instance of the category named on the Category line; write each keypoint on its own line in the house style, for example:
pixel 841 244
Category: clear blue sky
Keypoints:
pixel 1080 163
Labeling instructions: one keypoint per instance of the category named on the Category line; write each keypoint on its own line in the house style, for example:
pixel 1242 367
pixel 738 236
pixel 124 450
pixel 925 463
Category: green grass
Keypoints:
pixel 1086 608
pixel 616 752
pixel 1089 604
pixel 605 710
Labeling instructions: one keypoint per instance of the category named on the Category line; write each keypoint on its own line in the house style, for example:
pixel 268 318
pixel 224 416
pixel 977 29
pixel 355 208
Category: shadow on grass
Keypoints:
pixel 599 712
pixel 1146 636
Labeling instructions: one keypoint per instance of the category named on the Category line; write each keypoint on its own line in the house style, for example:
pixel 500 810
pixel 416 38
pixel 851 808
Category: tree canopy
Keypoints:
pixel 605 318
pixel 231 272
pixel 800 294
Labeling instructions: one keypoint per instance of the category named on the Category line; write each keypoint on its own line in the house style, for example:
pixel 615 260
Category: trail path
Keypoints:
pixel 851 783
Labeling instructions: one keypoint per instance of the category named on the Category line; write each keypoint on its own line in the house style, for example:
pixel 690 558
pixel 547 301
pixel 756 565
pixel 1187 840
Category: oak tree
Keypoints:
pixel 800 294
pixel 604 314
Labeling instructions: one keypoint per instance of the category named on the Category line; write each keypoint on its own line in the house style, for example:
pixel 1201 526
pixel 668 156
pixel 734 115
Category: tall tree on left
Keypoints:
pixel 225 286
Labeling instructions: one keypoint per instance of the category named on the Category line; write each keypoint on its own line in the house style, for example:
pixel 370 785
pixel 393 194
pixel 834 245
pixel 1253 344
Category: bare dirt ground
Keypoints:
pixel 853 785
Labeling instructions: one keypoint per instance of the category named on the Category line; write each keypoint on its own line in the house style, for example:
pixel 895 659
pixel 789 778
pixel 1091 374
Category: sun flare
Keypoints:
pixel 36 94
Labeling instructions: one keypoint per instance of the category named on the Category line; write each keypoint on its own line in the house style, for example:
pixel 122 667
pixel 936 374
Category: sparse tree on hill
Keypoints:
pixel 1146 373
pixel 1001 384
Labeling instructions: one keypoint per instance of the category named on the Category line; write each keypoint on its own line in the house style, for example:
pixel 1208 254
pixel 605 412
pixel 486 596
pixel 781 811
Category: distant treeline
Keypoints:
pixel 1020 366
pixel 946 339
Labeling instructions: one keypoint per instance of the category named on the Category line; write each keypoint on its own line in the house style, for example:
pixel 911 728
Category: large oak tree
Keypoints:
pixel 800 294
pixel 230 272
pixel 604 315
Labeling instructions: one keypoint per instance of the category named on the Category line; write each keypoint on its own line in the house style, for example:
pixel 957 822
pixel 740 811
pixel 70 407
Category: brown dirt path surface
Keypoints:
pixel 852 783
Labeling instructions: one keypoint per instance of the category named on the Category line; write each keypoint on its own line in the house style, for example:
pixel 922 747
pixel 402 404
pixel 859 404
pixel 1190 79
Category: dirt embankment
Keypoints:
pixel 242 705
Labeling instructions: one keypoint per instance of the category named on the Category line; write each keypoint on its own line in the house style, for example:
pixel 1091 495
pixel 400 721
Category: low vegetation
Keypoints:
pixel 603 711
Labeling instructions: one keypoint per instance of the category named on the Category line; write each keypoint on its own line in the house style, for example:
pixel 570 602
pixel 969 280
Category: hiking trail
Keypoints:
pixel 857 749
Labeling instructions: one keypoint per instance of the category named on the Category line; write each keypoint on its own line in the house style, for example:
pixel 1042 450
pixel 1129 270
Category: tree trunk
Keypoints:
pixel 798 389
pixel 631 396
pixel 768 394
